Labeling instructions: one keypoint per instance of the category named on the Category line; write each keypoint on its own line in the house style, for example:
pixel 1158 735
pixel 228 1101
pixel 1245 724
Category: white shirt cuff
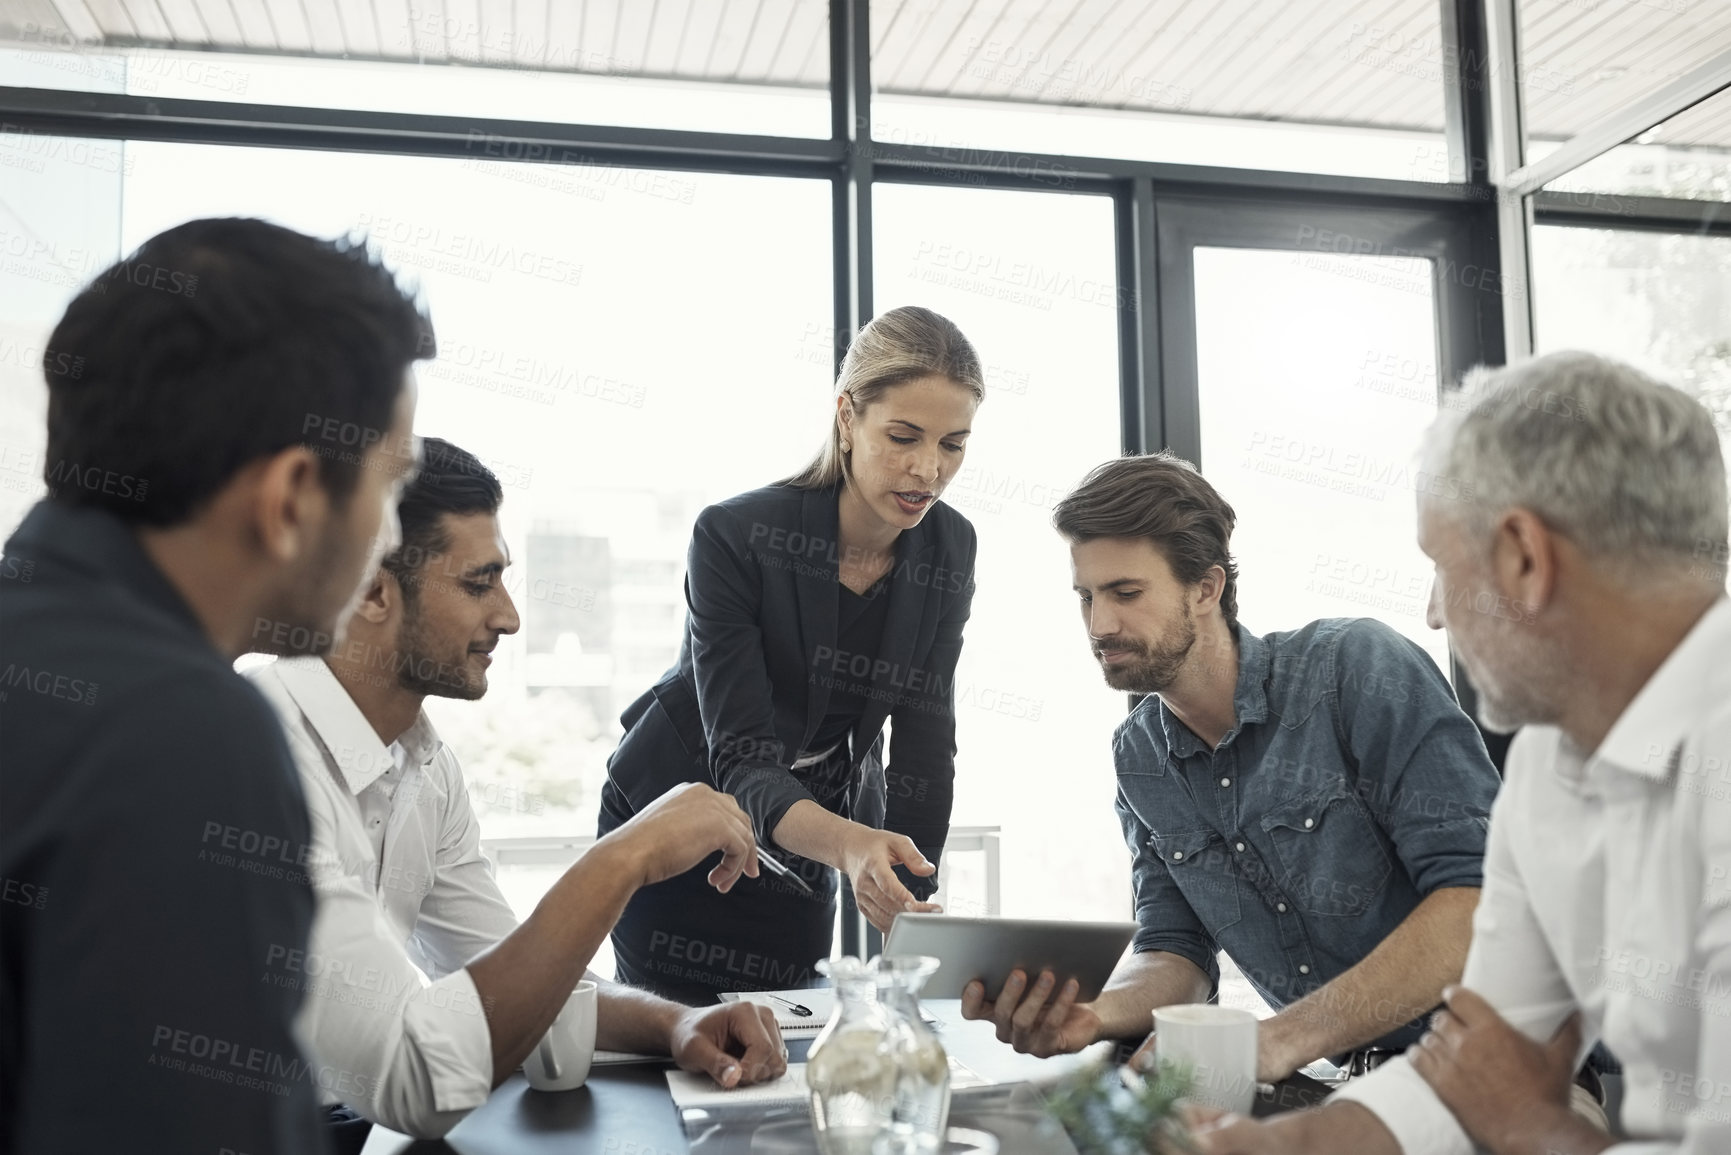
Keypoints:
pixel 1397 1095
pixel 450 1031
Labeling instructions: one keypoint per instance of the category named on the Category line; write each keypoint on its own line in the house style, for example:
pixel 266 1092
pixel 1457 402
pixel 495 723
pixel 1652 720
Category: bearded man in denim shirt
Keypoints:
pixel 1312 802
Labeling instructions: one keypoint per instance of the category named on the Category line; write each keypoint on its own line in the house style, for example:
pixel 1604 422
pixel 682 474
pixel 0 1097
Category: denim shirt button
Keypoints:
pixel 1226 781
pixel 1281 907
pixel 1309 822
pixel 1303 968
pixel 1238 846
pixel 1177 856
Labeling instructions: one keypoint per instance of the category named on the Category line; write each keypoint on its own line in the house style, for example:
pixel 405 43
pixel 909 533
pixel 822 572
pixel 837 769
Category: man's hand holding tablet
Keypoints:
pixel 1043 983
pixel 1031 1019
pixel 1042 1017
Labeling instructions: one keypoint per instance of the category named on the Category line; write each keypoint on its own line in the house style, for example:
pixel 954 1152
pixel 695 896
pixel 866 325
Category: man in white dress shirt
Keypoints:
pixel 1581 575
pixel 396 859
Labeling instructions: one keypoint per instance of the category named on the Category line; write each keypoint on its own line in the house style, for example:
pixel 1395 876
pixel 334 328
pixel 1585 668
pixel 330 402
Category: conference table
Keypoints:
pixel 627 1109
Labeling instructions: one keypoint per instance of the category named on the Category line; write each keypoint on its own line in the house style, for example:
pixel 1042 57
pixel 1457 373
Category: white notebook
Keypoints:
pixel 820 1001
pixel 694 1090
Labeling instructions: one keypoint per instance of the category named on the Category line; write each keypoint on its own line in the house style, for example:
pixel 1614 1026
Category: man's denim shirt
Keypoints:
pixel 1351 787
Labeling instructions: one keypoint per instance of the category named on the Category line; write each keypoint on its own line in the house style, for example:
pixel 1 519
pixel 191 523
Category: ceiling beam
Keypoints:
pixel 1629 121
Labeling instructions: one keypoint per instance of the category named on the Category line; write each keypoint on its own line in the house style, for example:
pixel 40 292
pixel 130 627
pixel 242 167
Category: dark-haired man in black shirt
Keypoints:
pixel 229 424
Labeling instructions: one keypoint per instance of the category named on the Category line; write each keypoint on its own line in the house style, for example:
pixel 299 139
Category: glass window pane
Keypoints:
pixel 613 392
pixel 1661 301
pixel 687 64
pixel 1687 156
pixel 60 201
pixel 1318 376
pixel 1334 86
pixel 1029 278
pixel 1582 60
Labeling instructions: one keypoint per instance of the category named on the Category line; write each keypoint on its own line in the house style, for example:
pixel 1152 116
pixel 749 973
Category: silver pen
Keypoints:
pixel 776 868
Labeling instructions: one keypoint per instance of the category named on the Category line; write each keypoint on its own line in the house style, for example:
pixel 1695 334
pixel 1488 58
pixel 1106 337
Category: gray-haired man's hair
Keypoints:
pixel 1627 468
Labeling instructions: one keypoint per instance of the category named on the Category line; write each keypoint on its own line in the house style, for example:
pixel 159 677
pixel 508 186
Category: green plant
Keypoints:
pixel 1108 1110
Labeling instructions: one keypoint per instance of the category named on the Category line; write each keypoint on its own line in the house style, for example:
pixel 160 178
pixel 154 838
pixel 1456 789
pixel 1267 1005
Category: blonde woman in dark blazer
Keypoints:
pixel 818 608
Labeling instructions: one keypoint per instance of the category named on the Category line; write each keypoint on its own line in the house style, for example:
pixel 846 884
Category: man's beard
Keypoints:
pixel 1154 667
pixel 419 672
pixel 1516 679
pixel 315 608
pixel 1513 699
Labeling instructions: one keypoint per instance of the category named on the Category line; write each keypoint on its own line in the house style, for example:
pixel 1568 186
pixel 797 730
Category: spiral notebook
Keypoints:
pixel 820 1001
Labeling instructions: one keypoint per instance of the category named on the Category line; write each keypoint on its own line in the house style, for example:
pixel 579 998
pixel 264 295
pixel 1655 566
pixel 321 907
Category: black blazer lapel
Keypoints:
pixel 815 577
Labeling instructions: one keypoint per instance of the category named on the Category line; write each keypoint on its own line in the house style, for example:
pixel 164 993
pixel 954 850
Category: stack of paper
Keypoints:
pixel 693 1090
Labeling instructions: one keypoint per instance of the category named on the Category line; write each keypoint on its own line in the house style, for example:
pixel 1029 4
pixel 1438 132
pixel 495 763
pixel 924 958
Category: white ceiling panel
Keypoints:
pixel 1370 62
pixel 1583 60
pixel 1708 124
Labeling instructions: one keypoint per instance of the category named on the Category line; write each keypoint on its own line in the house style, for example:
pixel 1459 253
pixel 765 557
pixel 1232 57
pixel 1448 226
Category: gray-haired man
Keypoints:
pixel 1584 589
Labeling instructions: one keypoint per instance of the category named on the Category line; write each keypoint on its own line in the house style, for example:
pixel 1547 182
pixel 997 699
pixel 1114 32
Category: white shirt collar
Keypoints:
pixel 353 744
pixel 1684 689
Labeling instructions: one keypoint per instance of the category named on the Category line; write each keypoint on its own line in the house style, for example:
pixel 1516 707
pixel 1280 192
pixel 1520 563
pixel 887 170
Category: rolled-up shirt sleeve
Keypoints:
pixel 1422 766
pixel 736 700
pixel 1165 920
pixel 412 1055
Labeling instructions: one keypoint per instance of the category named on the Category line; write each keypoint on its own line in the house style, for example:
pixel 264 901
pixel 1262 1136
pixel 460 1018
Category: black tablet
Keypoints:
pixel 988 949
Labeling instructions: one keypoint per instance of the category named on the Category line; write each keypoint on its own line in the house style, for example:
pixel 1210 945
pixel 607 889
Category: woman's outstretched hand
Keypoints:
pixel 869 858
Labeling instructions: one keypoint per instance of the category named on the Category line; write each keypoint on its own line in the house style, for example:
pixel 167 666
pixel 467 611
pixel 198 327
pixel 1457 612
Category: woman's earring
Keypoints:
pixel 846 446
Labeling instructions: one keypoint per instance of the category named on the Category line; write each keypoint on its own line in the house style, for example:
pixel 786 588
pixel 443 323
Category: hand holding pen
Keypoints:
pixel 776 868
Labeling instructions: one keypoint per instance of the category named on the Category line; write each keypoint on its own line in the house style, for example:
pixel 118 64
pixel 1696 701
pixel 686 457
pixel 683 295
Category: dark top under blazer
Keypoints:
pixel 759 659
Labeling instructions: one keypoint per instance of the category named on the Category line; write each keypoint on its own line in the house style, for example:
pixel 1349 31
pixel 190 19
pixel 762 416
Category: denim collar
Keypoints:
pixel 1249 698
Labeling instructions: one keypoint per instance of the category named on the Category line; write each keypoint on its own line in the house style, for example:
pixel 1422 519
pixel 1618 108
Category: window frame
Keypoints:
pixel 1483 217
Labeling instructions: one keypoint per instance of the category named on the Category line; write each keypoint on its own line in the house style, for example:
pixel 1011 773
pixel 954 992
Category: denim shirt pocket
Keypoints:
pixel 1199 864
pixel 1332 862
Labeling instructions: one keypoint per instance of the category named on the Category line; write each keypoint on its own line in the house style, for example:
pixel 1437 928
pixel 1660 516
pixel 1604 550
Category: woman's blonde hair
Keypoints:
pixel 901 345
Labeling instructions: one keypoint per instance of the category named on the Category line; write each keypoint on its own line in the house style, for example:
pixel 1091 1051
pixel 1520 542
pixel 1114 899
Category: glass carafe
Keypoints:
pixel 922 1094
pixel 851 1068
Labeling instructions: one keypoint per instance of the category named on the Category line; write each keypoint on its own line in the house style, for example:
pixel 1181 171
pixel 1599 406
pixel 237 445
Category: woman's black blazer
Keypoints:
pixel 759 660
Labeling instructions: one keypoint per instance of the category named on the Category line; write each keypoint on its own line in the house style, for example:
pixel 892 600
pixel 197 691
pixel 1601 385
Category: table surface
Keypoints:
pixel 626 1109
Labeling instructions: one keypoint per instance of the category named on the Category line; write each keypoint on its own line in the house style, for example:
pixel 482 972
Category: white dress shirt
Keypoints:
pixel 1608 889
pixel 405 901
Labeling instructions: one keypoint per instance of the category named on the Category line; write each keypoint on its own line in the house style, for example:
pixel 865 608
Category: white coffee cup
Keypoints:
pixel 560 1061
pixel 1218 1044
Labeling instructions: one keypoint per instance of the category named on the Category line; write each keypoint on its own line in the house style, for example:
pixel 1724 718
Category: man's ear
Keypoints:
pixel 1524 560
pixel 289 504
pixel 1207 591
pixel 382 598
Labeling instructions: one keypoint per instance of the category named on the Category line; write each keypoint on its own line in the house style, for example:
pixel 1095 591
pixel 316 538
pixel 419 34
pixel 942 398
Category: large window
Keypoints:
pixel 1317 377
pixel 1661 301
pixel 628 333
pixel 60 216
pixel 613 396
pixel 1029 278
